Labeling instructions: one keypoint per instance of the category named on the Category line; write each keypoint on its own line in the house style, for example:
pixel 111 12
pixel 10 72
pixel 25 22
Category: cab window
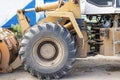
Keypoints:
pixel 117 3
pixel 101 2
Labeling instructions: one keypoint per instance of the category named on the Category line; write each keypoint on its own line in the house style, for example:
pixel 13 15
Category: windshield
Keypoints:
pixel 117 3
pixel 101 2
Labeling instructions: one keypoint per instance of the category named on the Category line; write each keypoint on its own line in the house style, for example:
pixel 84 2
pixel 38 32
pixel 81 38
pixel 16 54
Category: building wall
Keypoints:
pixel 9 7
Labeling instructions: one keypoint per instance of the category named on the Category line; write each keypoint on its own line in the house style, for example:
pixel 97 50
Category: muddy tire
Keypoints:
pixel 48 51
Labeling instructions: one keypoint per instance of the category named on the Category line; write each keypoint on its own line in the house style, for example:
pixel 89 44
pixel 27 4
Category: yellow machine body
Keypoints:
pixel 68 11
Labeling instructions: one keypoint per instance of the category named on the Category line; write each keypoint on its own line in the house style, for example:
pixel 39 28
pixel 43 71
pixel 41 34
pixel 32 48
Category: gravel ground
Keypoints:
pixel 91 68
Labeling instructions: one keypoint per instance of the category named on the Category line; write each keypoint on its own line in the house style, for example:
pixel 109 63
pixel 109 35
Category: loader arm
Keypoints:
pixel 23 20
pixel 71 6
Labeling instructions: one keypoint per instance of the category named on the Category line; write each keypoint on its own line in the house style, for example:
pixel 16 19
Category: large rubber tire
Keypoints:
pixel 52 63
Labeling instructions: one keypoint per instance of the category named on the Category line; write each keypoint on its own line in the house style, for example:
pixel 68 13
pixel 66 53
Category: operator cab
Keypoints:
pixel 92 7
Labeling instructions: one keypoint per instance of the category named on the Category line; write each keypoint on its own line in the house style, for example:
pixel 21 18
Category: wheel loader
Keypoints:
pixel 49 49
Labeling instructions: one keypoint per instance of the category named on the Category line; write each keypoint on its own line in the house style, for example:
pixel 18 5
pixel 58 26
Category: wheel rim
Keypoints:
pixel 47 52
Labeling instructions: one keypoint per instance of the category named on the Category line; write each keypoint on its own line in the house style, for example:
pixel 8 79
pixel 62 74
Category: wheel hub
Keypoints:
pixel 47 51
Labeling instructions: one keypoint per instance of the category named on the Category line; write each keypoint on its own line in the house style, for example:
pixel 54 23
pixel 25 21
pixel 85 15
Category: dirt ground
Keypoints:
pixel 91 68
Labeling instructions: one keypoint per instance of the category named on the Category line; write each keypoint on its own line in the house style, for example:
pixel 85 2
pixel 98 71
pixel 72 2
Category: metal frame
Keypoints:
pixel 68 11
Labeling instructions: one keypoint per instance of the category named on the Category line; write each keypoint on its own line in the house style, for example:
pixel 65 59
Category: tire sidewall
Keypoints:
pixel 29 52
